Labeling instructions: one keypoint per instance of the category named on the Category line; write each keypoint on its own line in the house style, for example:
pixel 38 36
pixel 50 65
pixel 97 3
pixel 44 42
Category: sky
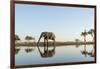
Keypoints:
pixel 66 23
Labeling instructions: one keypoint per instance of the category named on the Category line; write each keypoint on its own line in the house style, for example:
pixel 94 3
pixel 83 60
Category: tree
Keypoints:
pixel 84 35
pixel 76 40
pixel 91 32
pixel 17 38
pixel 29 38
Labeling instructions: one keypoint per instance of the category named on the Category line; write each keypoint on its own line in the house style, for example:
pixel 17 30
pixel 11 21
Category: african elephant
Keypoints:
pixel 47 36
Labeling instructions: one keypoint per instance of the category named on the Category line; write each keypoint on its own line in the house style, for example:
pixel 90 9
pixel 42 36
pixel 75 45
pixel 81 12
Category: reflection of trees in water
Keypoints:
pixel 85 52
pixel 17 50
pixel 91 54
pixel 28 50
pixel 77 45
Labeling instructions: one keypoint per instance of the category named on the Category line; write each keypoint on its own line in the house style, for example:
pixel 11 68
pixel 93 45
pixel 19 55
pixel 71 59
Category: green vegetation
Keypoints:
pixel 91 32
pixel 84 34
pixel 29 38
pixel 17 38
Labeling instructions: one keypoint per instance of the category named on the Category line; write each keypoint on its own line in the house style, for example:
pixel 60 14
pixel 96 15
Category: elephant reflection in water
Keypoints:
pixel 47 53
pixel 47 36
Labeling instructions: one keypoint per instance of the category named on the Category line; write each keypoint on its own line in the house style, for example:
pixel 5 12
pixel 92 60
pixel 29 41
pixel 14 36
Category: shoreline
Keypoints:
pixel 30 44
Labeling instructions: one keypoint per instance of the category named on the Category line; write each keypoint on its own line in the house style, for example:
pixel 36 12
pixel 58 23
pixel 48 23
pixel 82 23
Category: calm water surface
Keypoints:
pixel 72 53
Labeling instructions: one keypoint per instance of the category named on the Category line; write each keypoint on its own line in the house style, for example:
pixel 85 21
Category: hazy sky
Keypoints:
pixel 66 22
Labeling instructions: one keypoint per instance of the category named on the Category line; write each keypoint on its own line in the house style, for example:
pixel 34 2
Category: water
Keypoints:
pixel 72 53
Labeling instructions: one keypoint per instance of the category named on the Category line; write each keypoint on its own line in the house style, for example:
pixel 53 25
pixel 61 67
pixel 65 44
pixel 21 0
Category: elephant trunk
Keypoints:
pixel 39 41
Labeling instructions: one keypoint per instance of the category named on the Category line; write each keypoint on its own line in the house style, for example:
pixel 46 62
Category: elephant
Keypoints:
pixel 47 36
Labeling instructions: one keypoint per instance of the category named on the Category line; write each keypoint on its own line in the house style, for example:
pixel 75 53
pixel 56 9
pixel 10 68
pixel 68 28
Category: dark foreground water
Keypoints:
pixel 72 53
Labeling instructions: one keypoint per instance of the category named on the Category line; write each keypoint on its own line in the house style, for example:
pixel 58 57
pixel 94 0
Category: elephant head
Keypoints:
pixel 42 35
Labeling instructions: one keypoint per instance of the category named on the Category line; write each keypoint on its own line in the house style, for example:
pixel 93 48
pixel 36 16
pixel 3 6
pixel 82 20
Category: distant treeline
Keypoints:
pixel 51 43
